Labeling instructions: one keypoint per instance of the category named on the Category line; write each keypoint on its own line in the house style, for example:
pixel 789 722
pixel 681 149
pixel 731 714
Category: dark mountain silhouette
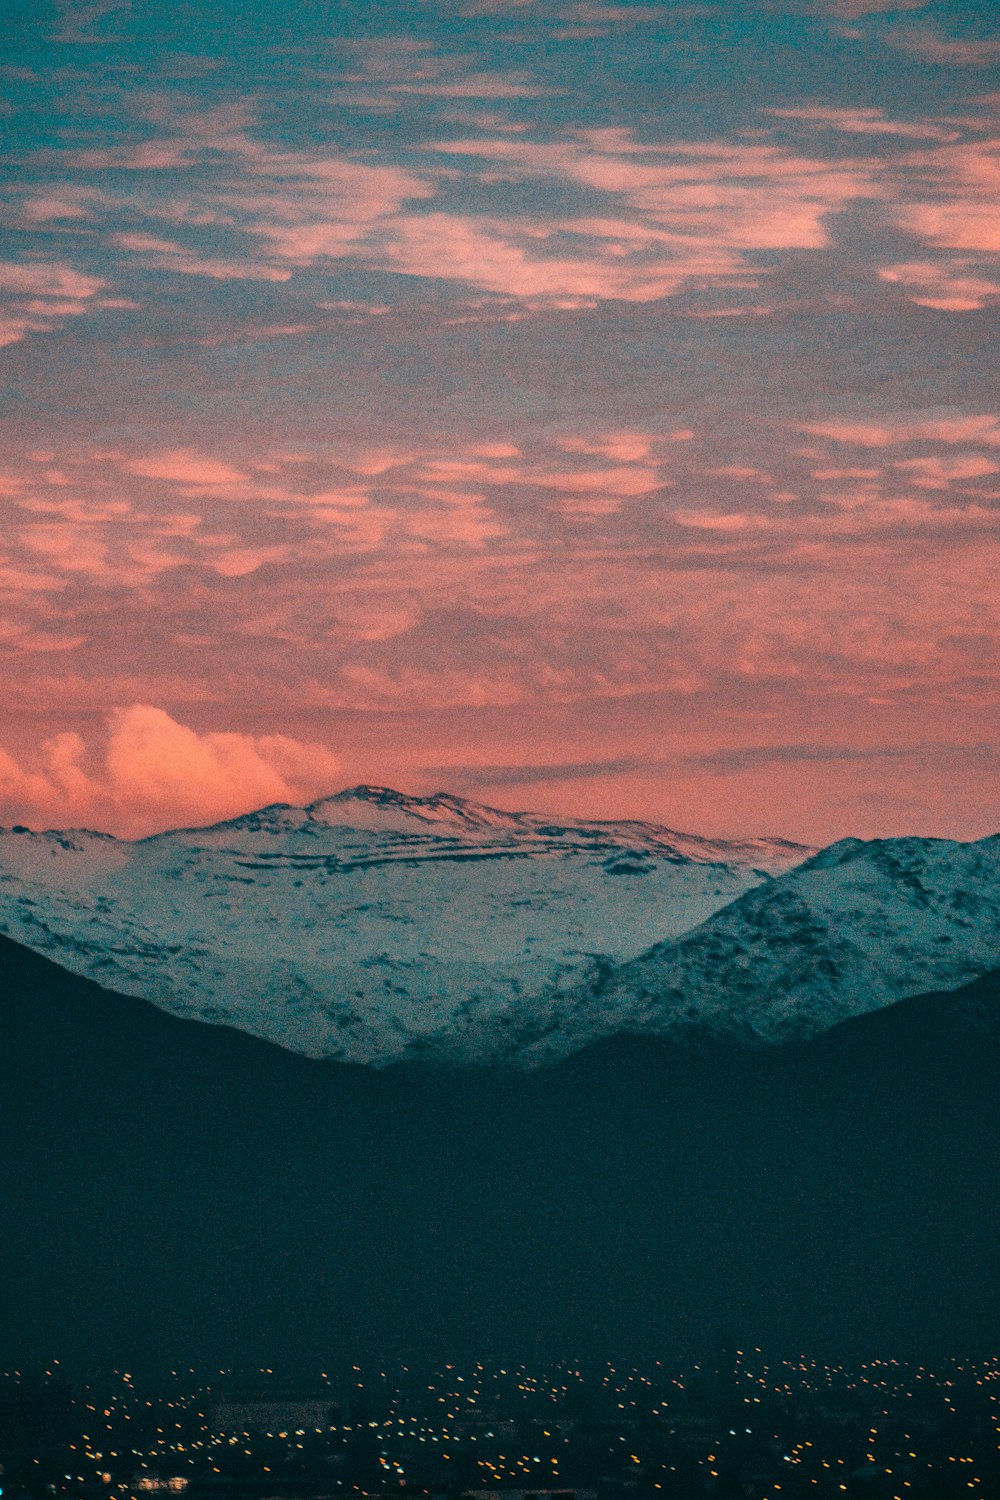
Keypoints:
pixel 174 1190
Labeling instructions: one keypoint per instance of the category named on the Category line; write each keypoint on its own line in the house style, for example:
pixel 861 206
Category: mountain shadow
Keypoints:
pixel 174 1190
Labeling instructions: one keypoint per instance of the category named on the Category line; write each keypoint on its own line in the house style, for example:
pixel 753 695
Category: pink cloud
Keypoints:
pixel 918 428
pixel 947 286
pixel 37 297
pixel 401 66
pixel 679 214
pixel 310 206
pixel 497 450
pixel 151 770
pixel 590 11
pixel 854 10
pixel 628 446
pixel 164 255
pixel 511 258
pixel 68 201
pixel 959 224
pixel 302 205
pixel 695 212
pixel 942 472
pixel 740 471
pixel 475 86
pixel 181 466
pixel 931 46
pixel 867 121
pixel 734 521
pixel 664 217
pixel 606 486
pixel 239 562
pixel 74 549
pixel 417 580
pixel 953 204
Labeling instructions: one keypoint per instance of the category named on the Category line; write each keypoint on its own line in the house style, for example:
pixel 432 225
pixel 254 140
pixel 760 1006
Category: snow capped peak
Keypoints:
pixel 383 807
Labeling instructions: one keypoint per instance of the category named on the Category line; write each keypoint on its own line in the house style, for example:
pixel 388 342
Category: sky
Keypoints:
pixel 582 406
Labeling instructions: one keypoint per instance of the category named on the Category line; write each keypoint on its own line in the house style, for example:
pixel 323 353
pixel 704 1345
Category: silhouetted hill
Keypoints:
pixel 177 1190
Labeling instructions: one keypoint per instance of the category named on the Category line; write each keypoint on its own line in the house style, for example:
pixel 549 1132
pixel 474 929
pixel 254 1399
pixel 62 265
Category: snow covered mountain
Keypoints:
pixel 368 925
pixel 373 926
pixel 856 927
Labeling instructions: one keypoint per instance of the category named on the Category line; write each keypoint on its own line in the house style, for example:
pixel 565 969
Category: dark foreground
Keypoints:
pixel 172 1191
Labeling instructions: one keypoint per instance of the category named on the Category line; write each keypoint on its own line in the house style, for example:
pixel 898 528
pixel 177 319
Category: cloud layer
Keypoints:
pixel 536 373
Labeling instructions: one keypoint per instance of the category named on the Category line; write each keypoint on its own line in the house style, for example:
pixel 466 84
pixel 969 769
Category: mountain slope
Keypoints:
pixel 171 1190
pixel 854 928
pixel 369 921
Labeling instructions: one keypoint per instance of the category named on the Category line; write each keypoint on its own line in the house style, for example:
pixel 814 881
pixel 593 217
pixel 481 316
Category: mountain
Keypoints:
pixel 376 927
pixel 171 1190
pixel 855 927
pixel 369 923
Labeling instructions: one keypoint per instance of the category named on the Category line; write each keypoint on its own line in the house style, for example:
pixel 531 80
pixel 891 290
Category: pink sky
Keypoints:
pixel 559 424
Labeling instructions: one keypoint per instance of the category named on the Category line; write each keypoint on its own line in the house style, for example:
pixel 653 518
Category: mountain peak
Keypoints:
pixel 383 806
pixel 387 796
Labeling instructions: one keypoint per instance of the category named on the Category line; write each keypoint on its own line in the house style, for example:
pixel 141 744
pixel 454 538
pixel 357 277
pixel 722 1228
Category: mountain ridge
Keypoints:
pixel 447 808
pixel 857 926
pixel 361 924
pixel 170 1188
pixel 376 926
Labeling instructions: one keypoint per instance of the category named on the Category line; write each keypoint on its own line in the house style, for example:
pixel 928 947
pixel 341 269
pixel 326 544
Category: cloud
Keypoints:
pixel 630 447
pixel 153 772
pixel 866 121
pixel 855 10
pixel 474 86
pixel 946 427
pixel 463 776
pixel 624 482
pixel 164 255
pixel 401 66
pixel 958 224
pixel 949 286
pixel 62 201
pixel 297 206
pixel 743 758
pixel 637 221
pixel 78 18
pixel 378 574
pixel 930 46
pixel 584 491
pixel 529 261
pixel 649 221
pixel 662 218
pixel 630 220
pixel 181 466
pixel 38 296
pixel 729 759
pixel 941 473
pixel 845 10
